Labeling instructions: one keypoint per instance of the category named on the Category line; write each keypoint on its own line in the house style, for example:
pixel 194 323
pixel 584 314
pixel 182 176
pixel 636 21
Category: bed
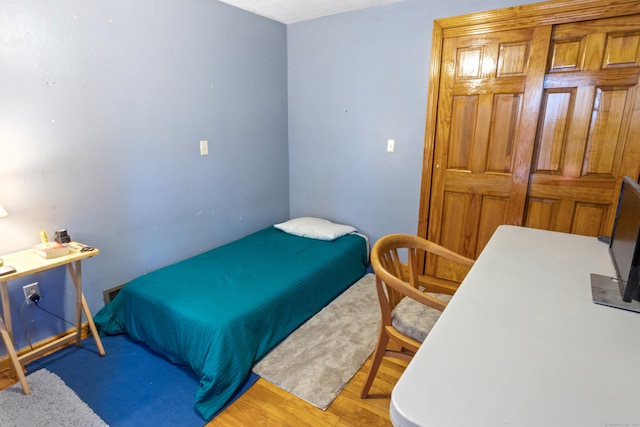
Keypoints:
pixel 221 311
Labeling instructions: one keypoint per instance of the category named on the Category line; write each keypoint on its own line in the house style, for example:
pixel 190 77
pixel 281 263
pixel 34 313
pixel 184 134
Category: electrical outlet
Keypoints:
pixel 29 290
pixel 204 148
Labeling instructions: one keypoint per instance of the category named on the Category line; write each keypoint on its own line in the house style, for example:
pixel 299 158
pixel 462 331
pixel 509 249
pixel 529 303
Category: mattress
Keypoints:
pixel 221 311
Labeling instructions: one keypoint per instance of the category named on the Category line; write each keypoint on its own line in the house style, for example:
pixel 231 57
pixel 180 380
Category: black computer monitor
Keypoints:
pixel 623 291
pixel 625 240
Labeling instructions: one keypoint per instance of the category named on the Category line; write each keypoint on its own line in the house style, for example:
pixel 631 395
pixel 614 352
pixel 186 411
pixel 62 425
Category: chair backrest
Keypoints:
pixel 395 259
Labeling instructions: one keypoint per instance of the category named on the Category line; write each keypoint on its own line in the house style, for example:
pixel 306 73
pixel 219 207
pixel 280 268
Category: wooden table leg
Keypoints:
pixel 6 308
pixel 92 327
pixel 15 363
pixel 75 271
pixel 7 337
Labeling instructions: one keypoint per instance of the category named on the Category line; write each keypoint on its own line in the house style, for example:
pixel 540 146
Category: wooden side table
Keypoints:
pixel 27 263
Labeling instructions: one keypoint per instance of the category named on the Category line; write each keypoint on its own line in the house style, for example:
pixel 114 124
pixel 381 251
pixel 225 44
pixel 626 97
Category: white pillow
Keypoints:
pixel 314 228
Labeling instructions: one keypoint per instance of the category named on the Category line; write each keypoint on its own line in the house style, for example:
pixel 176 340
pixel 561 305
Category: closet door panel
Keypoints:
pixel 588 133
pixel 605 144
pixel 588 217
pixel 553 128
pixel 490 91
pixel 542 213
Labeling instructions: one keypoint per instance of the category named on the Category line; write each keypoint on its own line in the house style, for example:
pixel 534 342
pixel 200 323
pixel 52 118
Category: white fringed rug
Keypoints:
pixel 50 404
pixel 319 358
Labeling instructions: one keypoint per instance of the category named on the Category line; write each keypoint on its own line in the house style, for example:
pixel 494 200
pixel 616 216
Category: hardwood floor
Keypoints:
pixel 264 404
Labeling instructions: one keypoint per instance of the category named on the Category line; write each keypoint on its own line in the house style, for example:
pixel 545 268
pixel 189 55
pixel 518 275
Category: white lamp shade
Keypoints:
pixel 3 213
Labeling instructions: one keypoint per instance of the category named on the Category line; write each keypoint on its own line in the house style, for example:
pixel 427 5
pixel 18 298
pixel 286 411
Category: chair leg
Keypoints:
pixel 378 354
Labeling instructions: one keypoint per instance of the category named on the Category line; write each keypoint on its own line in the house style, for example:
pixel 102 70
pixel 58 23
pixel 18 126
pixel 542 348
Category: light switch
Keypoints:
pixel 204 148
pixel 391 145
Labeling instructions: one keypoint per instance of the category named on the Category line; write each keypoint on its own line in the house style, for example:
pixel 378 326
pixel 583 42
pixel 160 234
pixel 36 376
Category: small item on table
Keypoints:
pixel 62 236
pixel 50 250
pixel 7 269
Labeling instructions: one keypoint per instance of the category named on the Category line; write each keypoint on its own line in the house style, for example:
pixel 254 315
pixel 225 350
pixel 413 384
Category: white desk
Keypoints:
pixel 523 344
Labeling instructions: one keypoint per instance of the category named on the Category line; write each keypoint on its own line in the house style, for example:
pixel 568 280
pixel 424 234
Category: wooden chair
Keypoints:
pixel 407 321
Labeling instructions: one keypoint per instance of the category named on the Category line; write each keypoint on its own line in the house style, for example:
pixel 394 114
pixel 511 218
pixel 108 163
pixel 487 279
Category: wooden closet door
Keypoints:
pixel 489 98
pixel 589 132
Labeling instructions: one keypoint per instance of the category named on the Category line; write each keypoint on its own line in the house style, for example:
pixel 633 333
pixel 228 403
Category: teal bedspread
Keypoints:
pixel 221 311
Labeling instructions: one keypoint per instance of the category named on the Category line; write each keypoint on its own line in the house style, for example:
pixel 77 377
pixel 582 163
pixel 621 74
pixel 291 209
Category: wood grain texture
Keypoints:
pixel 588 131
pixel 536 120
pixel 536 14
pixel 487 115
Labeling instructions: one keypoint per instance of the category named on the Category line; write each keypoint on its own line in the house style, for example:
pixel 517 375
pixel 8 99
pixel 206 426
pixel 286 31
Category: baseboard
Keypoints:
pixel 5 364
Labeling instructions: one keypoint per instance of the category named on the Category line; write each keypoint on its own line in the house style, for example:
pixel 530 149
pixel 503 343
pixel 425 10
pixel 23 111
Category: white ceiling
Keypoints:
pixel 291 11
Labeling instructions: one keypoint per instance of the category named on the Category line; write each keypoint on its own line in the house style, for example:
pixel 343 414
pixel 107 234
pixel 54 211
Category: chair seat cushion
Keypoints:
pixel 415 319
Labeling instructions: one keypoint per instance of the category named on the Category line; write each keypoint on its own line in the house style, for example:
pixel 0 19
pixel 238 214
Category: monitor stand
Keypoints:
pixel 606 291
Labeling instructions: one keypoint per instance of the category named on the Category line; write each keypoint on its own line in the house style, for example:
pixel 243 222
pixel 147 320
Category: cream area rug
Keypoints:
pixel 318 359
pixel 50 404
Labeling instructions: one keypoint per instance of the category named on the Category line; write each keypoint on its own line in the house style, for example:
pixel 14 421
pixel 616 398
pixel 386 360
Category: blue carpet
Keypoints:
pixel 131 385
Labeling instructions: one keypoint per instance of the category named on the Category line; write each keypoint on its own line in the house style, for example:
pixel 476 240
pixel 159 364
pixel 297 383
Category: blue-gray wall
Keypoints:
pixel 103 104
pixel 355 80
pixel 102 107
